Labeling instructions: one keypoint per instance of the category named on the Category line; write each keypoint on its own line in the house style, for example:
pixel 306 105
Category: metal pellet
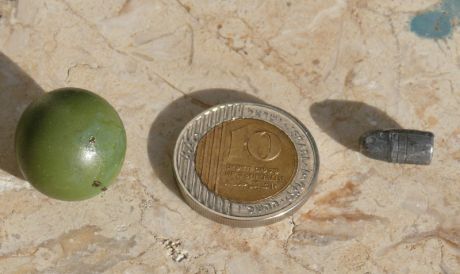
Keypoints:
pixel 399 146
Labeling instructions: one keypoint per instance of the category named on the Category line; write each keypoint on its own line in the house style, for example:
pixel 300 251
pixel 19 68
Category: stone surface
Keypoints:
pixel 161 62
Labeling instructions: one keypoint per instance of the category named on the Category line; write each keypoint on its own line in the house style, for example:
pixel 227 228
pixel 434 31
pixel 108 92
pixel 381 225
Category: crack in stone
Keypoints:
pixel 183 93
pixel 76 66
pixel 93 27
pixel 267 48
pixel 286 251
pixel 173 247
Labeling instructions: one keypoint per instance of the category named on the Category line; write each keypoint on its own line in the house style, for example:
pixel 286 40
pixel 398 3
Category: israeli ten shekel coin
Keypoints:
pixel 245 164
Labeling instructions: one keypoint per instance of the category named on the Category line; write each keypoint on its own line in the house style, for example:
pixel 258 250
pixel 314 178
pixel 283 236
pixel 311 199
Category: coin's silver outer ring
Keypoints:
pixel 222 210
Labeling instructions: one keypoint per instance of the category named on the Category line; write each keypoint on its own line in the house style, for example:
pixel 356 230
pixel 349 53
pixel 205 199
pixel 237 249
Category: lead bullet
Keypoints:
pixel 399 146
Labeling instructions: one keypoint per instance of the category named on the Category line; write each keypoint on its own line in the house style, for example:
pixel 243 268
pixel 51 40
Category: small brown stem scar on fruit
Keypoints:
pixel 96 184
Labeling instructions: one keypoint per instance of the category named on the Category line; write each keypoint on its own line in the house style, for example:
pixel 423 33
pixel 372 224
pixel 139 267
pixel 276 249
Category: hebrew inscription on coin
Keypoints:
pixel 246 160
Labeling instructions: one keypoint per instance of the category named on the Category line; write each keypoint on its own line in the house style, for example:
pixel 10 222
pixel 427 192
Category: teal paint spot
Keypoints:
pixel 437 23
pixel 432 24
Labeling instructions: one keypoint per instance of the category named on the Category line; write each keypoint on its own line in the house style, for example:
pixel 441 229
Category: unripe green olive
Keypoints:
pixel 70 144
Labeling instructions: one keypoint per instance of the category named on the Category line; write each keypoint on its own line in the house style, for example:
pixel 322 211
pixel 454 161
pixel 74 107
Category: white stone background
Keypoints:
pixel 160 62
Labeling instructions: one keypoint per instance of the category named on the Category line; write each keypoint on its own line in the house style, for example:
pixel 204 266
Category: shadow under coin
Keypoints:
pixel 17 91
pixel 346 121
pixel 169 123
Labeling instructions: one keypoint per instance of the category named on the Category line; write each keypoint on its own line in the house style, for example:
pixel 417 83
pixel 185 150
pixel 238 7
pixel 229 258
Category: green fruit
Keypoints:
pixel 70 144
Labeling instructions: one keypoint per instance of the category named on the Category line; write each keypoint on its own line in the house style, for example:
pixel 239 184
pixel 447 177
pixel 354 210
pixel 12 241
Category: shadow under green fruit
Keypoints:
pixel 70 144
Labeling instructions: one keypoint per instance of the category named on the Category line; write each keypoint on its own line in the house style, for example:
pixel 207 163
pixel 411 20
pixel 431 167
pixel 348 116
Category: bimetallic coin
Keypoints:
pixel 245 164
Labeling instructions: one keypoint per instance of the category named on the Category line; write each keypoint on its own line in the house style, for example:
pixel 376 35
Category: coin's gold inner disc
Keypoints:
pixel 246 160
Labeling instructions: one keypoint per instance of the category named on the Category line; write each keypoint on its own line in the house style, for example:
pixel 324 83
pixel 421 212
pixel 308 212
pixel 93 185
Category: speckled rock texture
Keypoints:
pixel 342 67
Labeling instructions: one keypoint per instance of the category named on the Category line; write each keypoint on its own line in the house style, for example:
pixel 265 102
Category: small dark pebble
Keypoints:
pixel 104 189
